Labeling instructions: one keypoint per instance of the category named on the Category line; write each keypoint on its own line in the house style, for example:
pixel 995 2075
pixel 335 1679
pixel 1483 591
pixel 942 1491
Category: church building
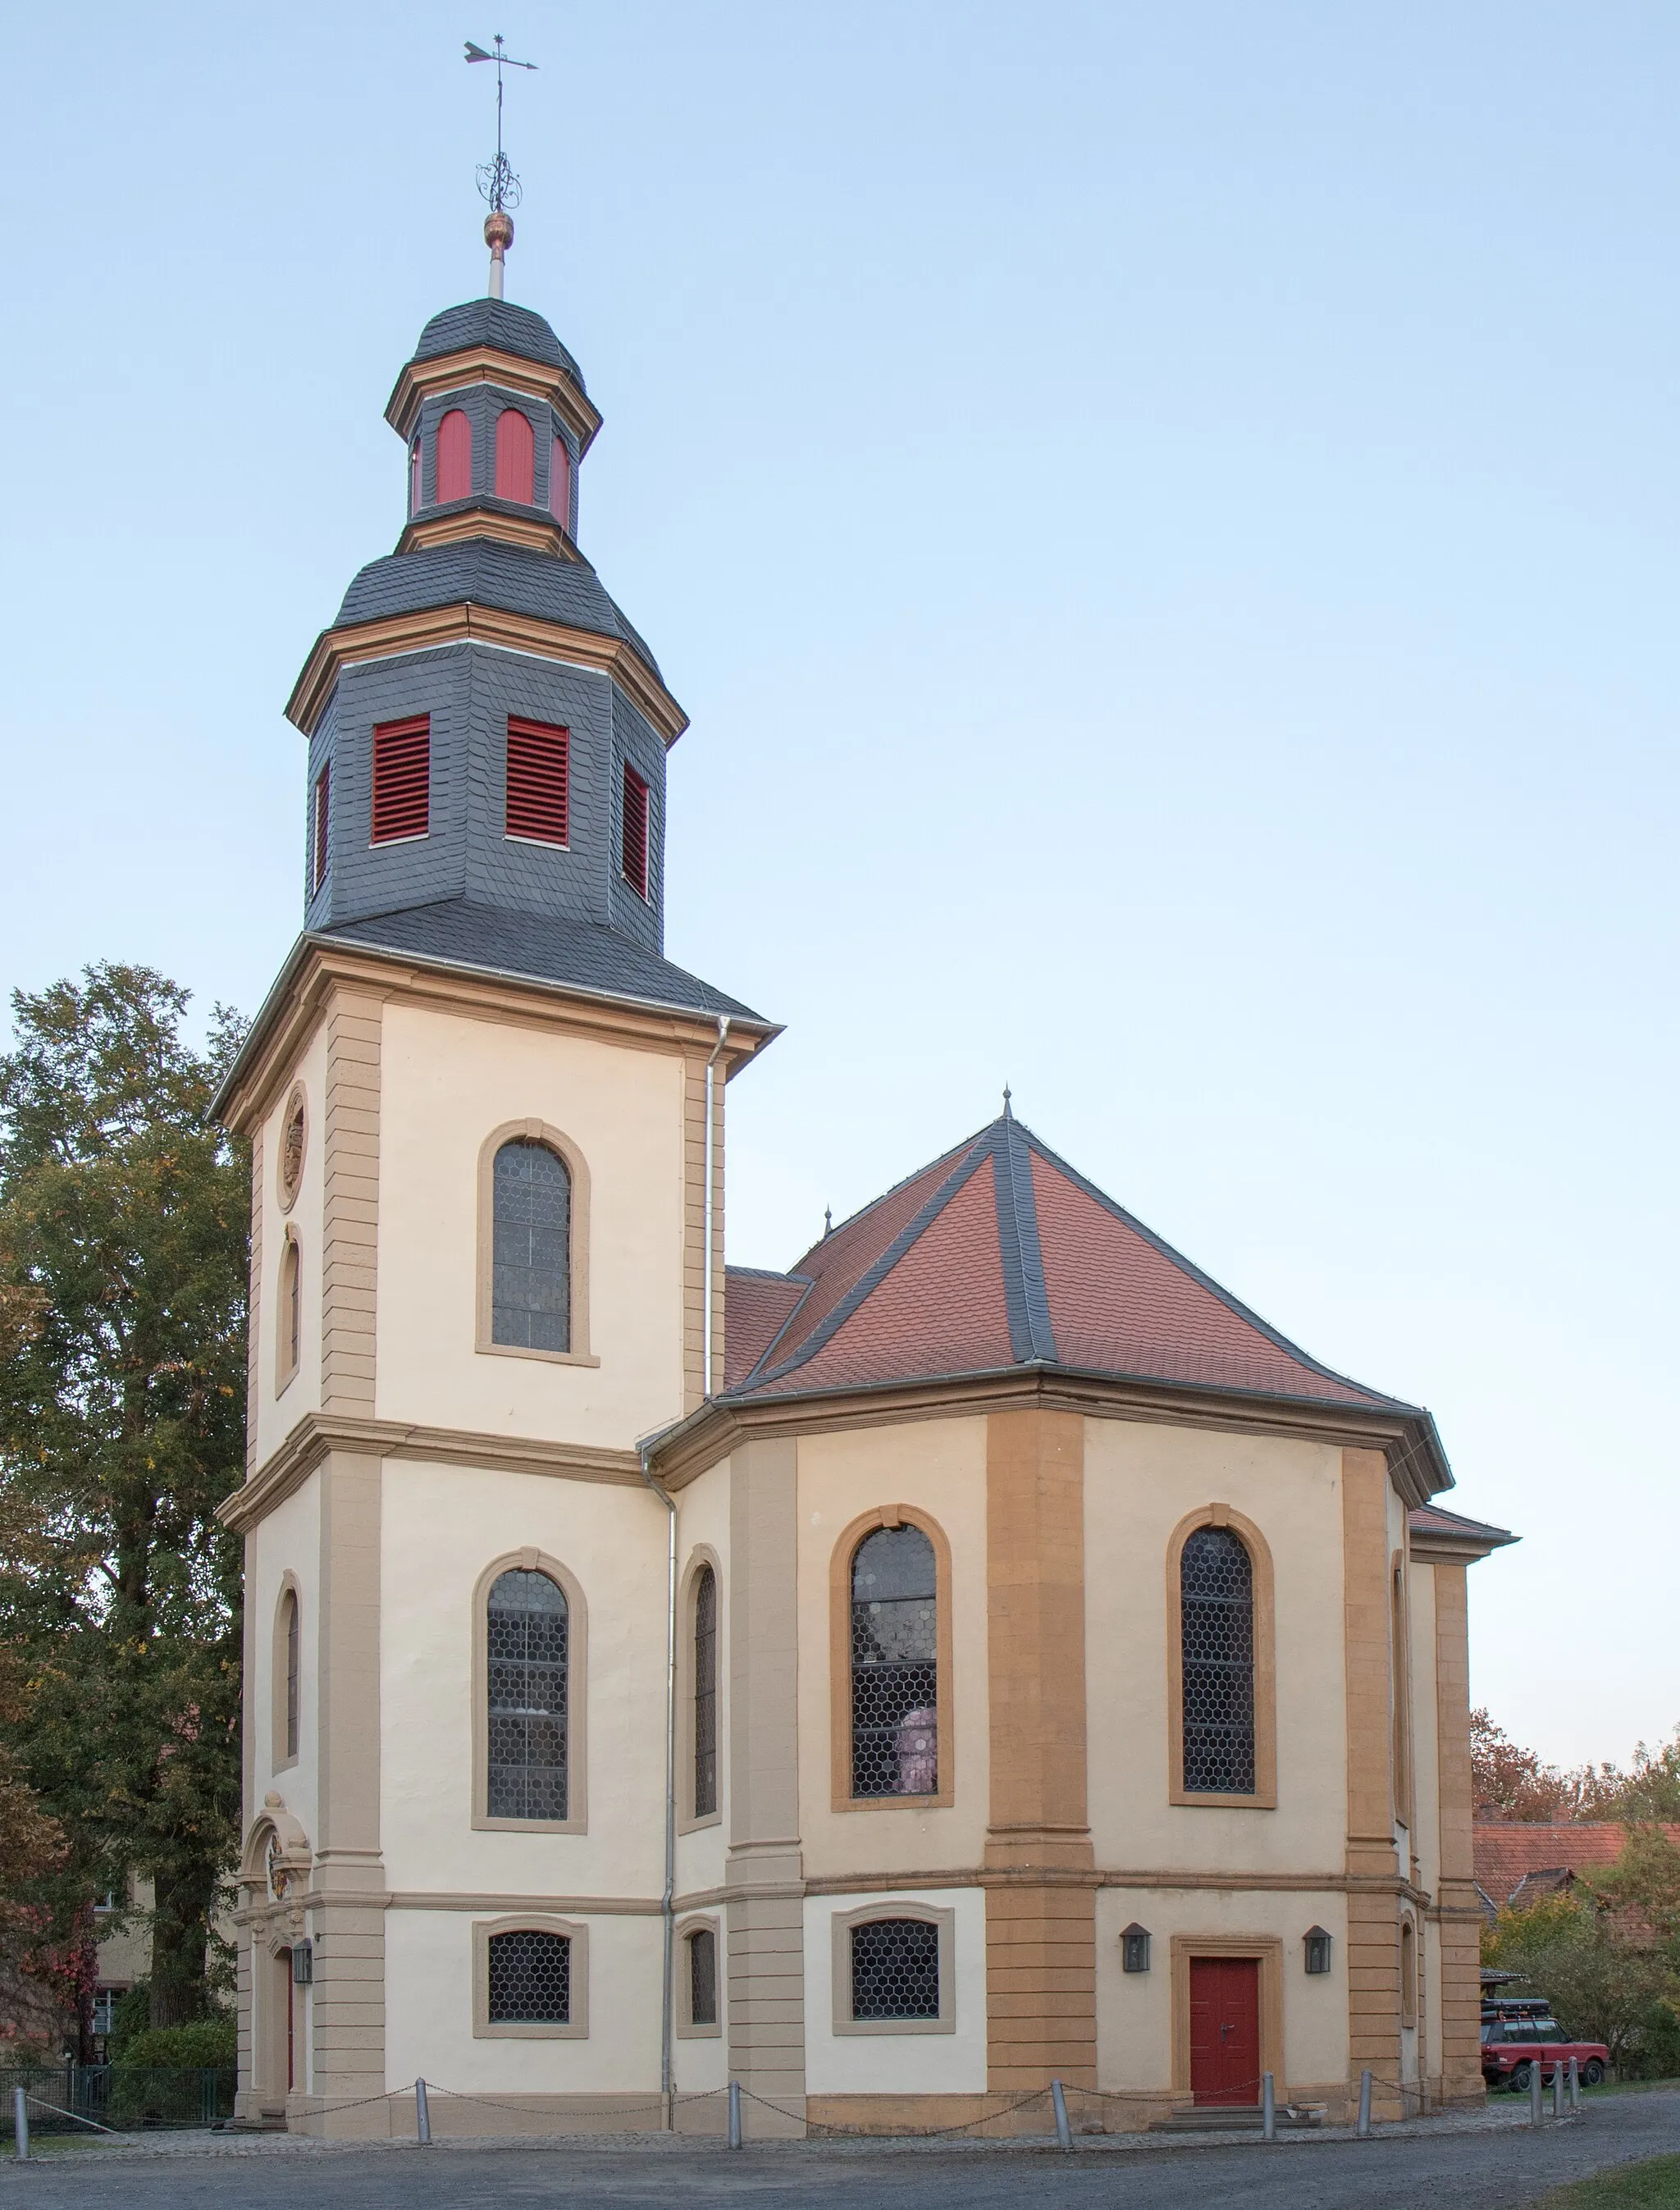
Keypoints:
pixel 985 1654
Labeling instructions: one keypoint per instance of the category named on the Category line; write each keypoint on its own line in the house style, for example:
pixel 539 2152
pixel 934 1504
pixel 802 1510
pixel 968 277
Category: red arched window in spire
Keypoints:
pixel 516 457
pixel 559 484
pixel 455 457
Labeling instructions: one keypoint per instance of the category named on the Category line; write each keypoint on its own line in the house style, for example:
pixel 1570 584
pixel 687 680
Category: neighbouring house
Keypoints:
pixel 1518 1862
pixel 985 1653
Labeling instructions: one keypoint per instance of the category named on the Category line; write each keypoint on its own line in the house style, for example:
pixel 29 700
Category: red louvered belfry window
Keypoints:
pixel 537 761
pixel 323 809
pixel 635 831
pixel 559 484
pixel 402 779
pixel 414 477
pixel 455 456
pixel 515 457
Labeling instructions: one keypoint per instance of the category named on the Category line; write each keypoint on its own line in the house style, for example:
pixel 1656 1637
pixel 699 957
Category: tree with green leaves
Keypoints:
pixel 124 1239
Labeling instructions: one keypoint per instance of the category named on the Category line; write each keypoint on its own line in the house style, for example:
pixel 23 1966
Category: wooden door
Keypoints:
pixel 1225 2030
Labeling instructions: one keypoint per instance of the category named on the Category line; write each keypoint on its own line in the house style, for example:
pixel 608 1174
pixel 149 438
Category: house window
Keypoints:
pixel 895 1969
pixel 291 1311
pixel 538 759
pixel 515 457
pixel 531 1257
pixel 292 1660
pixel 414 477
pixel 527 1631
pixel 323 811
pixel 633 856
pixel 402 780
pixel 895 1664
pixel 559 484
pixel 530 1979
pixel 455 456
pixel 104 2010
pixel 1216 1629
pixel 703 1977
pixel 705 1693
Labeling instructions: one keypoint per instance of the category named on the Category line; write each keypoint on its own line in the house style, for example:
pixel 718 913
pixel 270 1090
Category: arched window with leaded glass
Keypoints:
pixel 527 1681
pixel 895 1684
pixel 705 1693
pixel 531 1302
pixel 1217 1631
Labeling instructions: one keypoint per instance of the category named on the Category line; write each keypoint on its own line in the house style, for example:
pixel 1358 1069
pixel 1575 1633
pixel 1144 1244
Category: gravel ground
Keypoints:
pixel 1478 2163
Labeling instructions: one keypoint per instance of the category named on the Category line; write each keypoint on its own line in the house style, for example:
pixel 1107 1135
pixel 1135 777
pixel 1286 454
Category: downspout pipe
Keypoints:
pixel 669 1900
pixel 711 1093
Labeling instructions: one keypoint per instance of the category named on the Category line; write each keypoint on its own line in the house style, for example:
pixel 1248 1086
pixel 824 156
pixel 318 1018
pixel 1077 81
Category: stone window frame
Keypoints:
pixel 840 1662
pixel 576 1930
pixel 1264 1795
pixel 840 1935
pixel 281 1755
pixel 532 1560
pixel 297 1107
pixel 689 1820
pixel 1267 1950
pixel 288 1348
pixel 702 1922
pixel 564 1148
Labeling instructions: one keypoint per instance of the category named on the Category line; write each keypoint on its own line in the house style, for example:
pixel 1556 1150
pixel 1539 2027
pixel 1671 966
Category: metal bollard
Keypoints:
pixel 1059 2102
pixel 1558 2089
pixel 1268 2107
pixel 1363 2128
pixel 735 2114
pixel 1536 2094
pixel 1575 2084
pixel 422 2113
pixel 20 2124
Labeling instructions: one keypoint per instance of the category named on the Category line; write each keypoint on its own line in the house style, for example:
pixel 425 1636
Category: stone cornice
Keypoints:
pixel 317 1434
pixel 687 1450
pixel 318 966
pixel 468 623
pixel 481 364
pixel 532 532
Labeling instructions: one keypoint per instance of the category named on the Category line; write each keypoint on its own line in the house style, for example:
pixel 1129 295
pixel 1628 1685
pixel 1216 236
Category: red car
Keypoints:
pixel 1520 2032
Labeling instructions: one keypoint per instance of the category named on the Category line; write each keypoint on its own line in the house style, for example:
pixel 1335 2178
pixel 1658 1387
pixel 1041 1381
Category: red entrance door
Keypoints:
pixel 1224 2029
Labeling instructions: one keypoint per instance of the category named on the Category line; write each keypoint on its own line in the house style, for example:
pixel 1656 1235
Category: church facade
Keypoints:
pixel 984 1654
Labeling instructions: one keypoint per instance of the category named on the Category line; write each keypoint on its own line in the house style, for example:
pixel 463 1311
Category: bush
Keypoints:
pixel 207 2041
pixel 131 2013
pixel 1653 2046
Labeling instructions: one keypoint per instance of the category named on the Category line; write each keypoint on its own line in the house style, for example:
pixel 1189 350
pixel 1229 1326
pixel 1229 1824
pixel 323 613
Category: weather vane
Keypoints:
pixel 496 180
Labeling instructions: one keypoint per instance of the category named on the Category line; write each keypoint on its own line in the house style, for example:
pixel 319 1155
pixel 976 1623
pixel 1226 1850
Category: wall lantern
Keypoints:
pixel 1134 1948
pixel 303 1963
pixel 1318 1949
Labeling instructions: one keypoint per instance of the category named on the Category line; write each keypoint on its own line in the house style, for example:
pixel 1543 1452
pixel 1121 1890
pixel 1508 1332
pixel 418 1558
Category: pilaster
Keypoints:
pixel 1373 1915
pixel 1460 1916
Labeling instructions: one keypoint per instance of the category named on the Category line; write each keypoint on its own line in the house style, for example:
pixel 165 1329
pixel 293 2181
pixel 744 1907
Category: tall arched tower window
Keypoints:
pixel 895 1664
pixel 516 457
pixel 414 477
pixel 705 1693
pixel 289 1335
pixel 455 456
pixel 528 1654
pixel 531 1254
pixel 1217 1624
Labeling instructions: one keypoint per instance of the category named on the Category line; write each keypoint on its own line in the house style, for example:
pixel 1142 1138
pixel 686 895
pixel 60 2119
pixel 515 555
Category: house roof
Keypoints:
pixel 1000 1254
pixel 1449 1535
pixel 1539 1856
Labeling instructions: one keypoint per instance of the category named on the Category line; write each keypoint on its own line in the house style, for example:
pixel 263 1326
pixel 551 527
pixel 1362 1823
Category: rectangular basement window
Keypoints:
pixel 402 780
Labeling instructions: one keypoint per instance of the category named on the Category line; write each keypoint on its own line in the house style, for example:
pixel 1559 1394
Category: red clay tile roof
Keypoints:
pixel 998 1255
pixel 1431 1520
pixel 1509 1851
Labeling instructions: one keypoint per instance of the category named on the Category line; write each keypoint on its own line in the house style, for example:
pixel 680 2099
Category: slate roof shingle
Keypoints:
pixel 498 322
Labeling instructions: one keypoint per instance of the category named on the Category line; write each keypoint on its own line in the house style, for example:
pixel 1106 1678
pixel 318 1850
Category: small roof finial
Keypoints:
pixel 1007 1114
pixel 496 180
pixel 828 1222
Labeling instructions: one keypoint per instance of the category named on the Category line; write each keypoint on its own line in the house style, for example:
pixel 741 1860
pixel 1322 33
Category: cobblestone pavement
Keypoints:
pixel 1472 2167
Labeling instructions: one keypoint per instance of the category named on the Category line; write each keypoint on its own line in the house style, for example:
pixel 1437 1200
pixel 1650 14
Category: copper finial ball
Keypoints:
pixel 498 231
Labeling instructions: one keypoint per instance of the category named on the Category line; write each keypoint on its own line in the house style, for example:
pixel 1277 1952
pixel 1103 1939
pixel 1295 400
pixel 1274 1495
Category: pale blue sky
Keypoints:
pixel 1163 520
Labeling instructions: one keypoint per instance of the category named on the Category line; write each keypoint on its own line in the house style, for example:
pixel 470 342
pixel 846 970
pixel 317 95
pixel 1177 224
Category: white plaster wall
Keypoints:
pixel 442 1525
pixel 1140 1481
pixel 287 1541
pixel 939 1465
pixel 896 2064
pixel 1135 2009
pixel 276 1416
pixel 429 2012
pixel 703 1521
pixel 447 1083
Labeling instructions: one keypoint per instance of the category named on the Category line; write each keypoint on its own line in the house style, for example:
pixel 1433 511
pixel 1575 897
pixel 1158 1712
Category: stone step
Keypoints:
pixel 1226 2118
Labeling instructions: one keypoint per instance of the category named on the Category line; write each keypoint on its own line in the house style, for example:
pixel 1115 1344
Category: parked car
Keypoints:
pixel 1518 2031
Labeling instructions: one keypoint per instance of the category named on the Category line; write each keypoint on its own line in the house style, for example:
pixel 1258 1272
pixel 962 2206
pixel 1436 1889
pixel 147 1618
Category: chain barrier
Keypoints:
pixel 821 2128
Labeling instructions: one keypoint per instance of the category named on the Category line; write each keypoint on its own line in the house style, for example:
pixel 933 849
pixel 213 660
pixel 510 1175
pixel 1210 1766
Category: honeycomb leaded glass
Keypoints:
pixel 702 1977
pixel 1217 1614
pixel 526 1630
pixel 530 1295
pixel 896 1969
pixel 895 1668
pixel 530 1979
pixel 705 1693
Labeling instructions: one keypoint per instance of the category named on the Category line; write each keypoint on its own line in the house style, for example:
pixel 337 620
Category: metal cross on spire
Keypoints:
pixel 496 180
